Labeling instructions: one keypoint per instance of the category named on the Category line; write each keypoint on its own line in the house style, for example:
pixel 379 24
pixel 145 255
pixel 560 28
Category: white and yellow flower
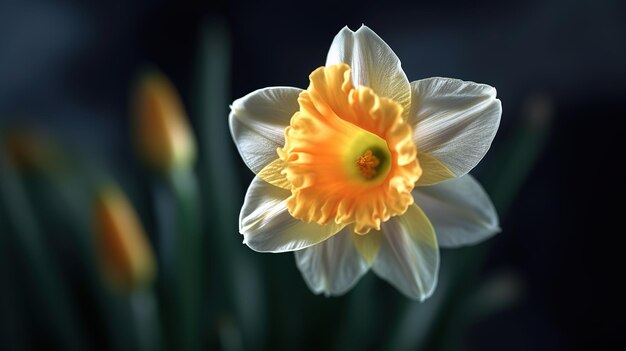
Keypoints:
pixel 362 169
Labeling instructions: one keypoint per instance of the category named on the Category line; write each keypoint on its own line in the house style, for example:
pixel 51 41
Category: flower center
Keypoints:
pixel 367 164
pixel 349 156
pixel 366 157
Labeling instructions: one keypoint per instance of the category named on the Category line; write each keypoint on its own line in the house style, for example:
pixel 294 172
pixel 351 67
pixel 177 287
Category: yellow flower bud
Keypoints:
pixel 126 257
pixel 32 151
pixel 164 139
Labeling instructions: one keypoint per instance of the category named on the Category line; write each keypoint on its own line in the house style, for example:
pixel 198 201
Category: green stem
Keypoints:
pixel 237 298
pixel 50 291
pixel 359 323
pixel 145 314
pixel 12 319
pixel 189 252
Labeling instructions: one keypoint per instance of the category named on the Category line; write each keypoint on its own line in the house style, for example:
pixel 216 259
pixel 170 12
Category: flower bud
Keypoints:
pixel 126 257
pixel 29 150
pixel 164 139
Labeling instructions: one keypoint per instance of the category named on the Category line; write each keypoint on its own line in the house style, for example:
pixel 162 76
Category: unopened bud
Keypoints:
pixel 126 257
pixel 31 151
pixel 163 136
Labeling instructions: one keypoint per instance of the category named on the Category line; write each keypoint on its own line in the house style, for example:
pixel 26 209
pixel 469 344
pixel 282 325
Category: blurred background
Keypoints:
pixel 69 76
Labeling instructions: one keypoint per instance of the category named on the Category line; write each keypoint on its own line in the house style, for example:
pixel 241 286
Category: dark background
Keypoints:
pixel 67 67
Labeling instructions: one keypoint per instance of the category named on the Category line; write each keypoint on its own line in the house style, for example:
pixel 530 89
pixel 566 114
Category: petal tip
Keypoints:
pixel 365 28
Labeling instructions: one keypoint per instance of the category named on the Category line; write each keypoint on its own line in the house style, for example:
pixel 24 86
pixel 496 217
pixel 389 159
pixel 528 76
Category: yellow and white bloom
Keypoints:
pixel 361 170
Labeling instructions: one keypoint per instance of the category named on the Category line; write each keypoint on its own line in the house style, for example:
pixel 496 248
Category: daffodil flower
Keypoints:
pixel 364 169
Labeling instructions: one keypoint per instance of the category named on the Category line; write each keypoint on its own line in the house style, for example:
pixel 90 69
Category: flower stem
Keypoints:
pixel 189 257
pixel 237 290
pixel 44 273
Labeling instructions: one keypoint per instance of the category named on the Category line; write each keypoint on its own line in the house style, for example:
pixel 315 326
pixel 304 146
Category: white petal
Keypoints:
pixel 409 256
pixel 454 121
pixel 373 64
pixel 267 226
pixel 258 121
pixel 333 266
pixel 460 210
